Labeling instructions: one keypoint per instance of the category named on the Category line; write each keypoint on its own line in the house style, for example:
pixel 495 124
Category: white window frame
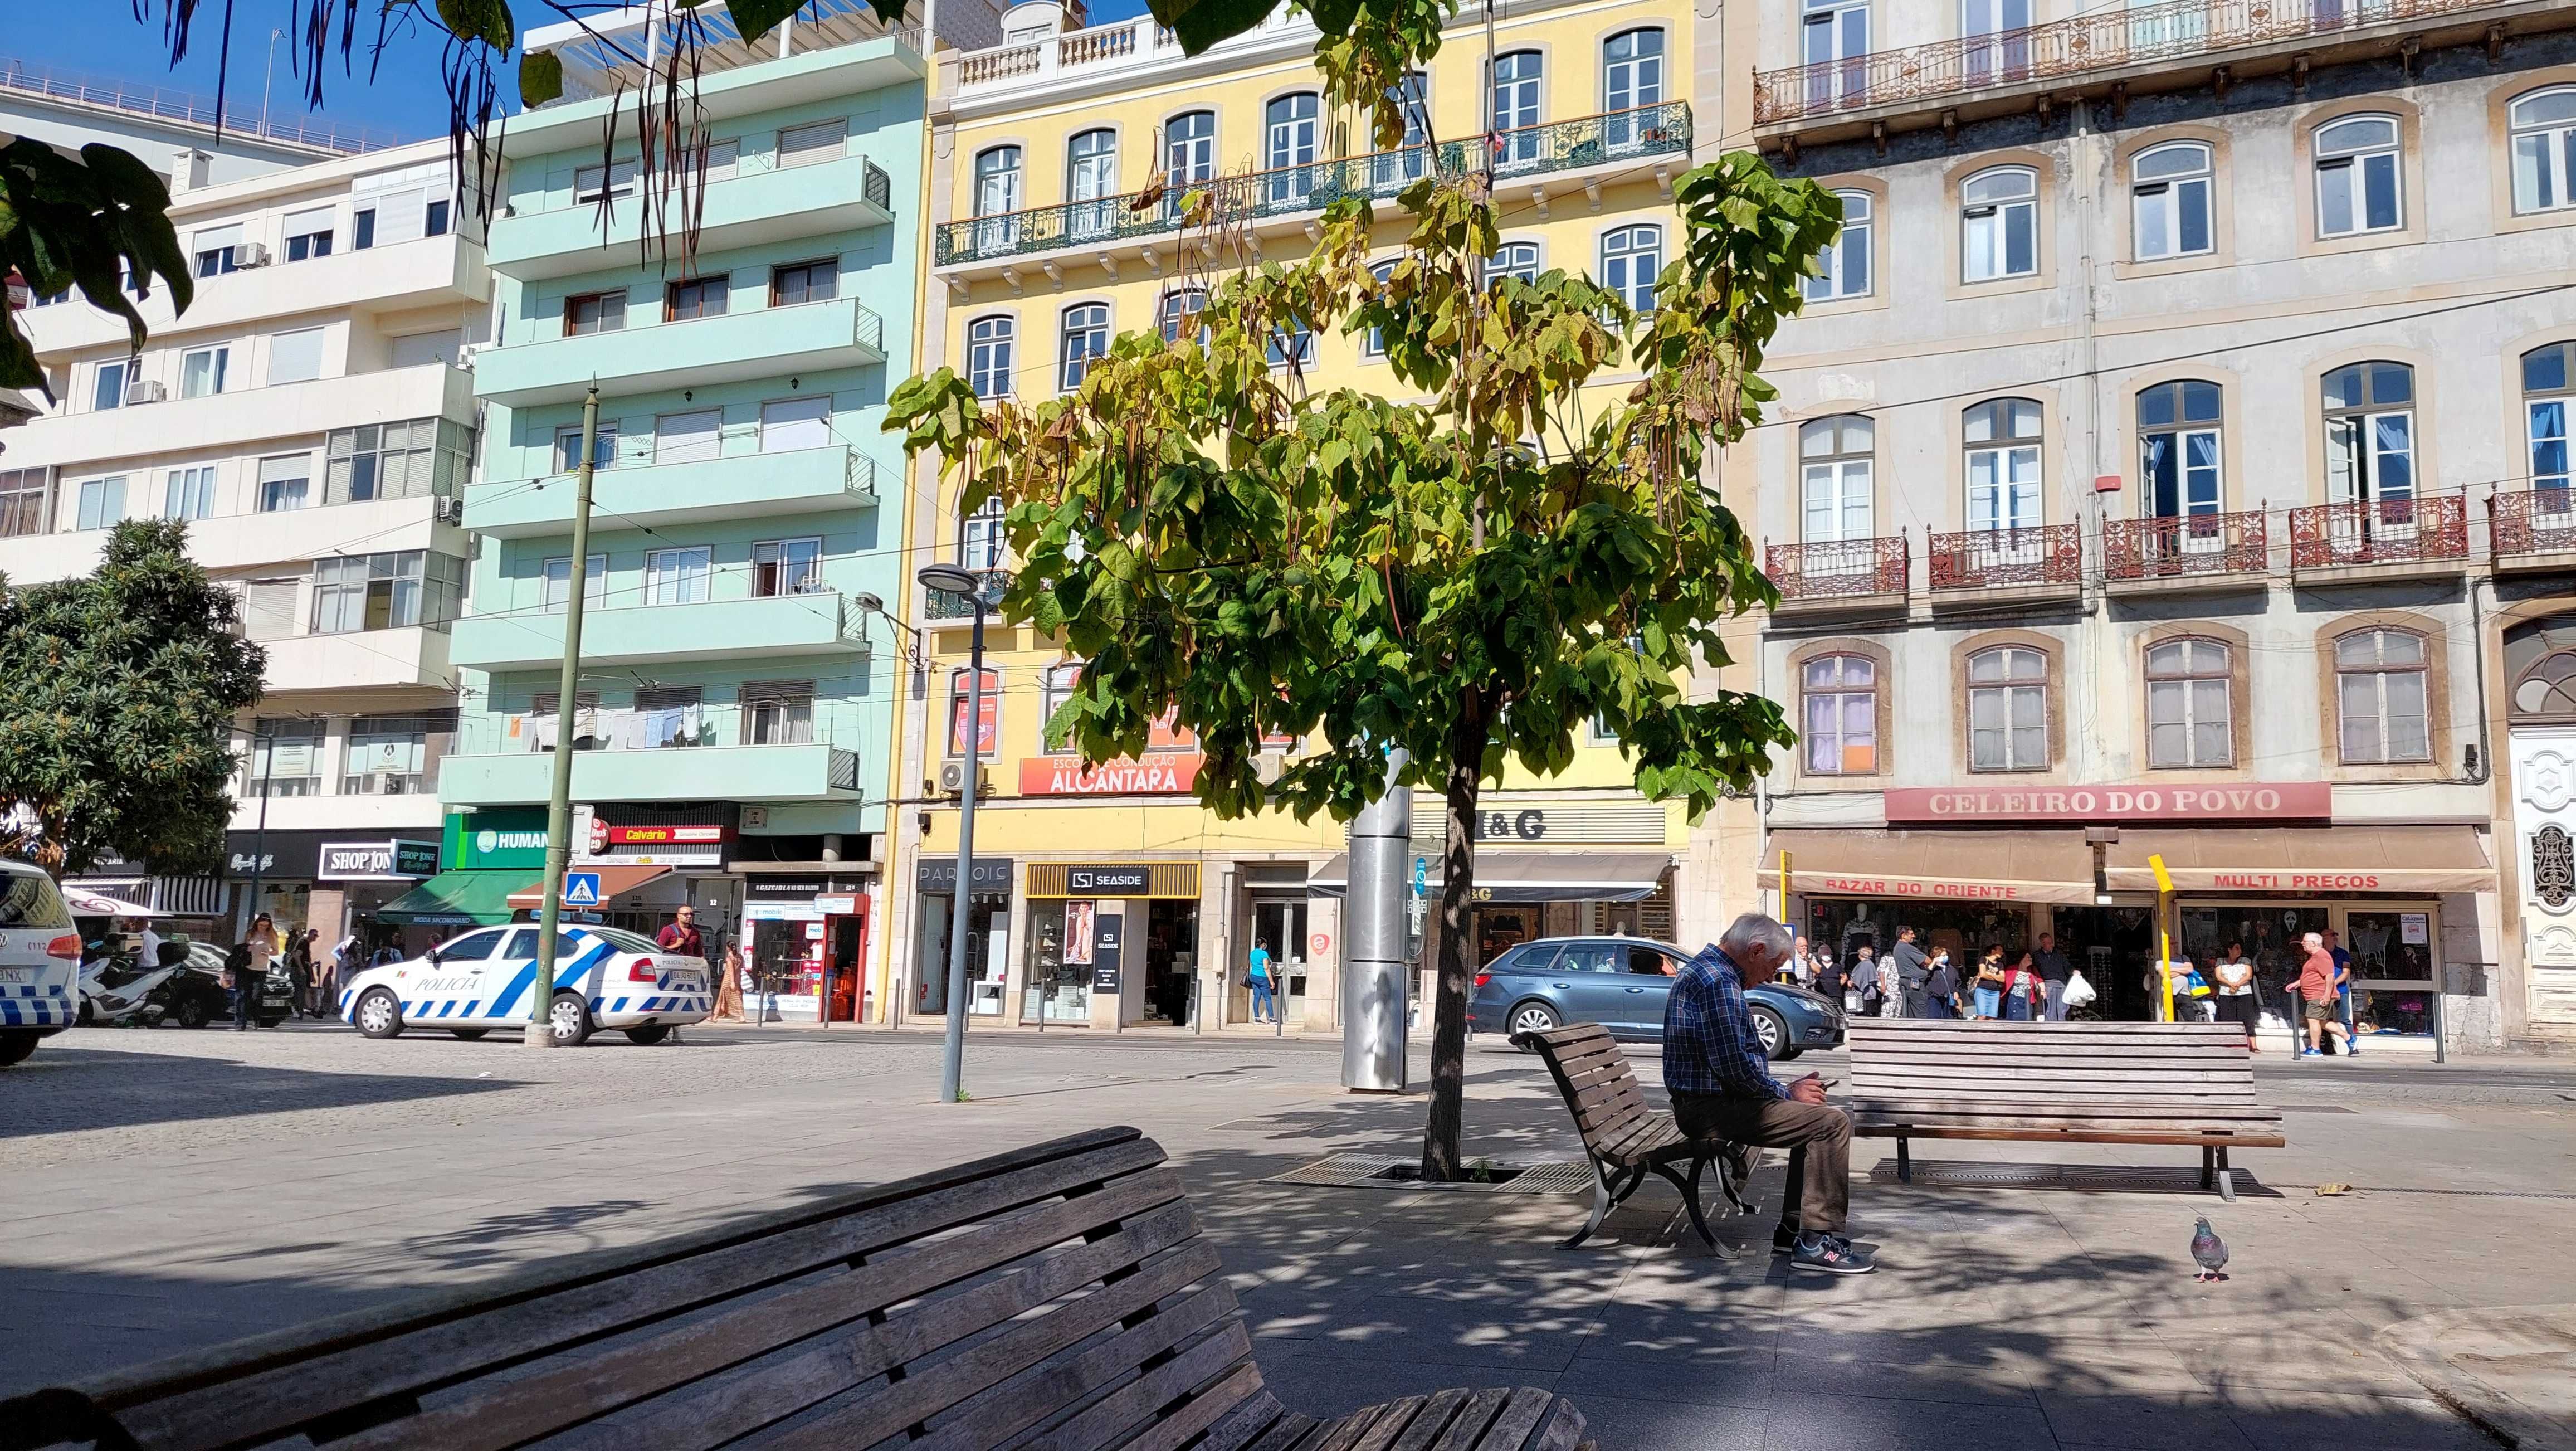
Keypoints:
pixel 2008 693
pixel 982 540
pixel 2549 421
pixel 2161 202
pixel 1081 339
pixel 1998 206
pixel 2180 699
pixel 554 583
pixel 99 502
pixel 1834 281
pixel 2377 672
pixel 1838 470
pixel 2543 150
pixel 2006 474
pixel 990 343
pixel 188 492
pixel 797 565
pixel 1630 266
pixel 219 358
pixel 682 575
pixel 2363 167
pixel 1291 139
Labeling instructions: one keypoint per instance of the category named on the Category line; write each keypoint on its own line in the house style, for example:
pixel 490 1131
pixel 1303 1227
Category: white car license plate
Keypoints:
pixel 17 974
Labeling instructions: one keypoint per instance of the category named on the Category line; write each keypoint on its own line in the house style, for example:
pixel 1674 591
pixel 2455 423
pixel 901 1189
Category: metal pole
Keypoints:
pixel 1375 963
pixel 266 76
pixel 259 837
pixel 541 993
pixel 952 1062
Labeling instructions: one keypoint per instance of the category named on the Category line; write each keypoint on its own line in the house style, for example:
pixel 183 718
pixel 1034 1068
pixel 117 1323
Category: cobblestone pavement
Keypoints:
pixel 168 1190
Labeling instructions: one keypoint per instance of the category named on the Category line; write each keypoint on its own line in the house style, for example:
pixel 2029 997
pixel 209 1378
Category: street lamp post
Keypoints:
pixel 952 1064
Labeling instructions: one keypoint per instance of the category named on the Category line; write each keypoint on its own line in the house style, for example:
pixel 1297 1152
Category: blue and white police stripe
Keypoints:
pixel 35 1005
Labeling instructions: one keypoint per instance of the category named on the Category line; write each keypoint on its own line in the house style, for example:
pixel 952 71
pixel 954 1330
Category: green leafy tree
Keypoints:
pixel 1472 577
pixel 88 223
pixel 117 696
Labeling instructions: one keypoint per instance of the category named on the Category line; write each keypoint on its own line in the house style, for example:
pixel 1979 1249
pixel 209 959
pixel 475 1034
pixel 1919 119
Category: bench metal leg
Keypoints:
pixel 1689 1188
pixel 2208 1165
pixel 1606 1196
pixel 1904 1163
pixel 1793 1191
pixel 2226 1178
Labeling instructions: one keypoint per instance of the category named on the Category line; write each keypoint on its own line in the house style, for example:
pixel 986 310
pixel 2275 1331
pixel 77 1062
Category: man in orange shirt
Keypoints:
pixel 2317 993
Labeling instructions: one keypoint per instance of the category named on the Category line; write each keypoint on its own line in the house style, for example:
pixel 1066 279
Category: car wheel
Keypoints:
pixel 1773 1033
pixel 272 1022
pixel 14 1047
pixel 379 1014
pixel 86 1016
pixel 569 1016
pixel 648 1035
pixel 1530 1018
pixel 191 1014
pixel 469 1034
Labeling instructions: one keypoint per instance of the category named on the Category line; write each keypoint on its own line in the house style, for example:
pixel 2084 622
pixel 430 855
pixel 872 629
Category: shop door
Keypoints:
pixel 1281 927
pixel 2112 947
pixel 2544 818
pixel 847 940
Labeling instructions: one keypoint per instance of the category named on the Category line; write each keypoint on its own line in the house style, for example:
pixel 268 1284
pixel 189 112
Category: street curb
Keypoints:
pixel 2418 1346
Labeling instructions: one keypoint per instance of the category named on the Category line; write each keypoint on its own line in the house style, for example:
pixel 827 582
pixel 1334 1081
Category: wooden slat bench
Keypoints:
pixel 1058 1297
pixel 2099 1083
pixel 1624 1137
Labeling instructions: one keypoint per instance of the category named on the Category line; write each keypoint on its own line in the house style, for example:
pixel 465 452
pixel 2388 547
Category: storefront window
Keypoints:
pixel 988 921
pixel 1057 986
pixel 1846 924
pixel 2269 932
pixel 2392 970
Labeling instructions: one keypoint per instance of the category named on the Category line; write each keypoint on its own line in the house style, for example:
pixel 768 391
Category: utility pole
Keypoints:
pixel 266 76
pixel 541 997
pixel 952 1063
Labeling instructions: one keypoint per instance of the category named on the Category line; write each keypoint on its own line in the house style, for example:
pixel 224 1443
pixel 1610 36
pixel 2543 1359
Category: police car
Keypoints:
pixel 40 952
pixel 469 985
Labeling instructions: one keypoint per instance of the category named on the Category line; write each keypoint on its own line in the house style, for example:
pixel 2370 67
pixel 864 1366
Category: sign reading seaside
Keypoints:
pixel 1067 776
pixel 2259 803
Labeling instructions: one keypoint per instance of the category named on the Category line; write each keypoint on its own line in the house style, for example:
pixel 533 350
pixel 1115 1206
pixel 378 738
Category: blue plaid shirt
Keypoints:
pixel 1709 1043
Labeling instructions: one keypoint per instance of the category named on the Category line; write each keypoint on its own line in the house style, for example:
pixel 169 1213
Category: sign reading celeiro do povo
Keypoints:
pixel 2257 803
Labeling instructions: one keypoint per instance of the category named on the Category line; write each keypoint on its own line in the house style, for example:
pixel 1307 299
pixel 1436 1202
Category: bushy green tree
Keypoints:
pixel 117 696
pixel 1472 577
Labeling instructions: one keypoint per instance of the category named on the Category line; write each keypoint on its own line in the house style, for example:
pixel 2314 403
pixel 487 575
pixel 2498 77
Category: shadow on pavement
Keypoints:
pixel 103 1088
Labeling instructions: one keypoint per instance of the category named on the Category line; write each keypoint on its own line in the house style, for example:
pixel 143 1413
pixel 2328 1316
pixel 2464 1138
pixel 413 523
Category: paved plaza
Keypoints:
pixel 169 1190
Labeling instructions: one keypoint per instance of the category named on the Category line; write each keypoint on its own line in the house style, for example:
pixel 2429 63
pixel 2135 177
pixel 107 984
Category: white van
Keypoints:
pixel 40 952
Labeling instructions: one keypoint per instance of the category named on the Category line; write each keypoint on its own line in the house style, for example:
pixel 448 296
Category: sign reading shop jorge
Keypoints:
pixel 2256 803
pixel 360 860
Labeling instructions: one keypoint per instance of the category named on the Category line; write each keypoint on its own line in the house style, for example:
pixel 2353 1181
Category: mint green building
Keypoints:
pixel 739 684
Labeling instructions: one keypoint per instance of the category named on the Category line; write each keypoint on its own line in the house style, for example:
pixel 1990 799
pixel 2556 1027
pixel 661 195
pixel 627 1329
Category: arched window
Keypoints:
pixel 980 538
pixel 1513 259
pixel 1631 258
pixel 1632 78
pixel 1292 345
pixel 1513 111
pixel 1057 688
pixel 988 355
pixel 2548 397
pixel 1177 314
pixel 2544 150
pixel 1998 41
pixel 2359 185
pixel 2381 697
pixel 2170 200
pixel 1834 44
pixel 1189 149
pixel 1837 460
pixel 1391 171
pixel 1083 337
pixel 1843 267
pixel 1091 182
pixel 2008 709
pixel 1288 145
pixel 1374 345
pixel 2178 450
pixel 1839 704
pixel 2540 659
pixel 2370 433
pixel 1999 224
pixel 997 198
pixel 2003 438
pixel 2189 709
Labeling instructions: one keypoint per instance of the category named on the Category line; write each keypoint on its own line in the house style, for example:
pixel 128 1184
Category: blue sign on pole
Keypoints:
pixel 581 889
pixel 1422 876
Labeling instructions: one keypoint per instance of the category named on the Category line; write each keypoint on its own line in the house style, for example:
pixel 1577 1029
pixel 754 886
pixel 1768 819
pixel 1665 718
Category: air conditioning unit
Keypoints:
pixel 952 779
pixel 1267 767
pixel 450 510
pixel 250 254
pixel 144 390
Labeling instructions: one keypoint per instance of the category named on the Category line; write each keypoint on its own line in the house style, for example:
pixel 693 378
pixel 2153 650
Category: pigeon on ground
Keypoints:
pixel 2208 1250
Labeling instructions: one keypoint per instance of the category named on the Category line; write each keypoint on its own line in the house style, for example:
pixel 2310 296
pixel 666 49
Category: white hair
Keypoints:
pixel 2312 939
pixel 1752 933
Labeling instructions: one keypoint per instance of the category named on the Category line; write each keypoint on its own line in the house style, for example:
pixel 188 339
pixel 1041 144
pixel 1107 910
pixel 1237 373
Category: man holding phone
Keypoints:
pixel 1722 1087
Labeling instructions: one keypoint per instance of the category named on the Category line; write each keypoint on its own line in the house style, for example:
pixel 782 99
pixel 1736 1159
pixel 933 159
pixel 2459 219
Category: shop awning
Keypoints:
pixel 2305 859
pixel 1525 876
pixel 460 898
pixel 86 903
pixel 1933 864
pixel 614 882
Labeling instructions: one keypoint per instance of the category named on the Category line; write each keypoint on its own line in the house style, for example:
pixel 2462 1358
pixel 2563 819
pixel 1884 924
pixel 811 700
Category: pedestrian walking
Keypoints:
pixel 2317 995
pixel 2024 998
pixel 299 972
pixel 1941 989
pixel 246 969
pixel 1265 1002
pixel 681 937
pixel 2235 996
pixel 2053 972
pixel 1986 990
pixel 2343 992
pixel 1912 967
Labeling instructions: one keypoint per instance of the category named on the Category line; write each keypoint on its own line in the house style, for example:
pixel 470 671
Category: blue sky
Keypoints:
pixel 101 39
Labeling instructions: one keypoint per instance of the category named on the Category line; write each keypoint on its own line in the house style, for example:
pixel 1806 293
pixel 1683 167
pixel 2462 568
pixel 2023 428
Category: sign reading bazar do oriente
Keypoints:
pixel 2255 803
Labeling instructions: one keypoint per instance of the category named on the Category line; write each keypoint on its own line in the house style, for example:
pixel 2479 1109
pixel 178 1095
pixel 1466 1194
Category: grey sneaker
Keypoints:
pixel 1829 1254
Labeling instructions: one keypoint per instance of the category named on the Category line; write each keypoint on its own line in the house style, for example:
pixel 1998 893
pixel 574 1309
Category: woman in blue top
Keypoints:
pixel 1265 1006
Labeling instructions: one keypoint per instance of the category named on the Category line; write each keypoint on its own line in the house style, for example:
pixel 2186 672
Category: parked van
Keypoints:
pixel 40 958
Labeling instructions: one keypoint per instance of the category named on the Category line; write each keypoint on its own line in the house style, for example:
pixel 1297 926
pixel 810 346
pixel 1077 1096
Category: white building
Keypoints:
pixel 312 420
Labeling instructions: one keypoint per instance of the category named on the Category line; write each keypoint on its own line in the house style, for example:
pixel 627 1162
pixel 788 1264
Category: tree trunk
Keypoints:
pixel 1457 945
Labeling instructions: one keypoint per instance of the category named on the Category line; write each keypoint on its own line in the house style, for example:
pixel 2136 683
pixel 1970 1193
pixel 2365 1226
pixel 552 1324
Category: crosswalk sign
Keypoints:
pixel 581 889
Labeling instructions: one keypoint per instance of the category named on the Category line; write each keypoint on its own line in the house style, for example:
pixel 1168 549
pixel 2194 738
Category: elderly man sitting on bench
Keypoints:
pixel 1722 1088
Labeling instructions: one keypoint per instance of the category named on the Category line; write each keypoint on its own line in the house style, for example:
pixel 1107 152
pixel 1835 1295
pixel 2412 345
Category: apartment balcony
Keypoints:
pixel 760 342
pixel 758 204
pixel 943 604
pixel 2533 529
pixel 414 813
pixel 739 486
pixel 2193 552
pixel 400 277
pixel 819 623
pixel 417 656
pixel 2112 52
pixel 1999 566
pixel 2384 539
pixel 1855 576
pixel 810 771
pixel 235 420
pixel 1534 162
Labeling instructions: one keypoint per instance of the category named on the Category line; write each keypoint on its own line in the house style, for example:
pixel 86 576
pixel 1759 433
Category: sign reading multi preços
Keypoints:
pixel 2256 803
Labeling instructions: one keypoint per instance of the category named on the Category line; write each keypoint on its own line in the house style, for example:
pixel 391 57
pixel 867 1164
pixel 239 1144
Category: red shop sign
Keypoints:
pixel 667 835
pixel 2259 803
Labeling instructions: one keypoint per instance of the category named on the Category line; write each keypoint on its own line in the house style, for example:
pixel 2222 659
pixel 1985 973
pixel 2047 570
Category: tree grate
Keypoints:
pixel 1392 1171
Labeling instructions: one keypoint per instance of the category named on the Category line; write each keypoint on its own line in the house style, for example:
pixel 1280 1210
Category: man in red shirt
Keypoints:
pixel 2317 992
pixel 682 935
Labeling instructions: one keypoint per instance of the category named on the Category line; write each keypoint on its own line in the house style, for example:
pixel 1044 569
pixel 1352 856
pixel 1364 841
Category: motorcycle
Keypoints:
pixel 120 990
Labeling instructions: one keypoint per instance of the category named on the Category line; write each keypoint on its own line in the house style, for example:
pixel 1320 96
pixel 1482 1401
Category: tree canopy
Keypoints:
pixel 1472 577
pixel 117 696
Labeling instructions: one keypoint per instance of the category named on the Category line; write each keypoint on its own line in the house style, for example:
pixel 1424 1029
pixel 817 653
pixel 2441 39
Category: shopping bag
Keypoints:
pixel 2078 992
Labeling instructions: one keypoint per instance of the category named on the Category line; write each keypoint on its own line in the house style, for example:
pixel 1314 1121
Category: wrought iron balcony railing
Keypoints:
pixel 1838 569
pixel 2105 39
pixel 1294 190
pixel 2195 544
pixel 2004 558
pixel 2534 521
pixel 946 604
pixel 2382 531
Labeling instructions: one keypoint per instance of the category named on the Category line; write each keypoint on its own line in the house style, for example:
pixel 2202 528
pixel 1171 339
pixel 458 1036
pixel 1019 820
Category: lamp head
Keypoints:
pixel 871 602
pixel 949 577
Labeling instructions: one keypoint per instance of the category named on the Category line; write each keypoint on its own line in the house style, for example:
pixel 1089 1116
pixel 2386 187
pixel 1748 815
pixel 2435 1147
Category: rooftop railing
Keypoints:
pixel 187 109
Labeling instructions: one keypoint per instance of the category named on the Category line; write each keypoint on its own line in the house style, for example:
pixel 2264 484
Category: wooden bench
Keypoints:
pixel 2093 1083
pixel 1625 1138
pixel 1059 1297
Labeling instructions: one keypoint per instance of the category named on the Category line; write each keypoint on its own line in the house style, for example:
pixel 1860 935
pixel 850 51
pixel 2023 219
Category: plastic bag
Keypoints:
pixel 2078 992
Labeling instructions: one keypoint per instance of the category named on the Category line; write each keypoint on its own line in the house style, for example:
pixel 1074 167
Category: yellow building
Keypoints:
pixel 1038 145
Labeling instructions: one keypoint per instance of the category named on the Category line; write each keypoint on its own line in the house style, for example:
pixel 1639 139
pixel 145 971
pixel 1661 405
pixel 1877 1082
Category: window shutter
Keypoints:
pixel 813 142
